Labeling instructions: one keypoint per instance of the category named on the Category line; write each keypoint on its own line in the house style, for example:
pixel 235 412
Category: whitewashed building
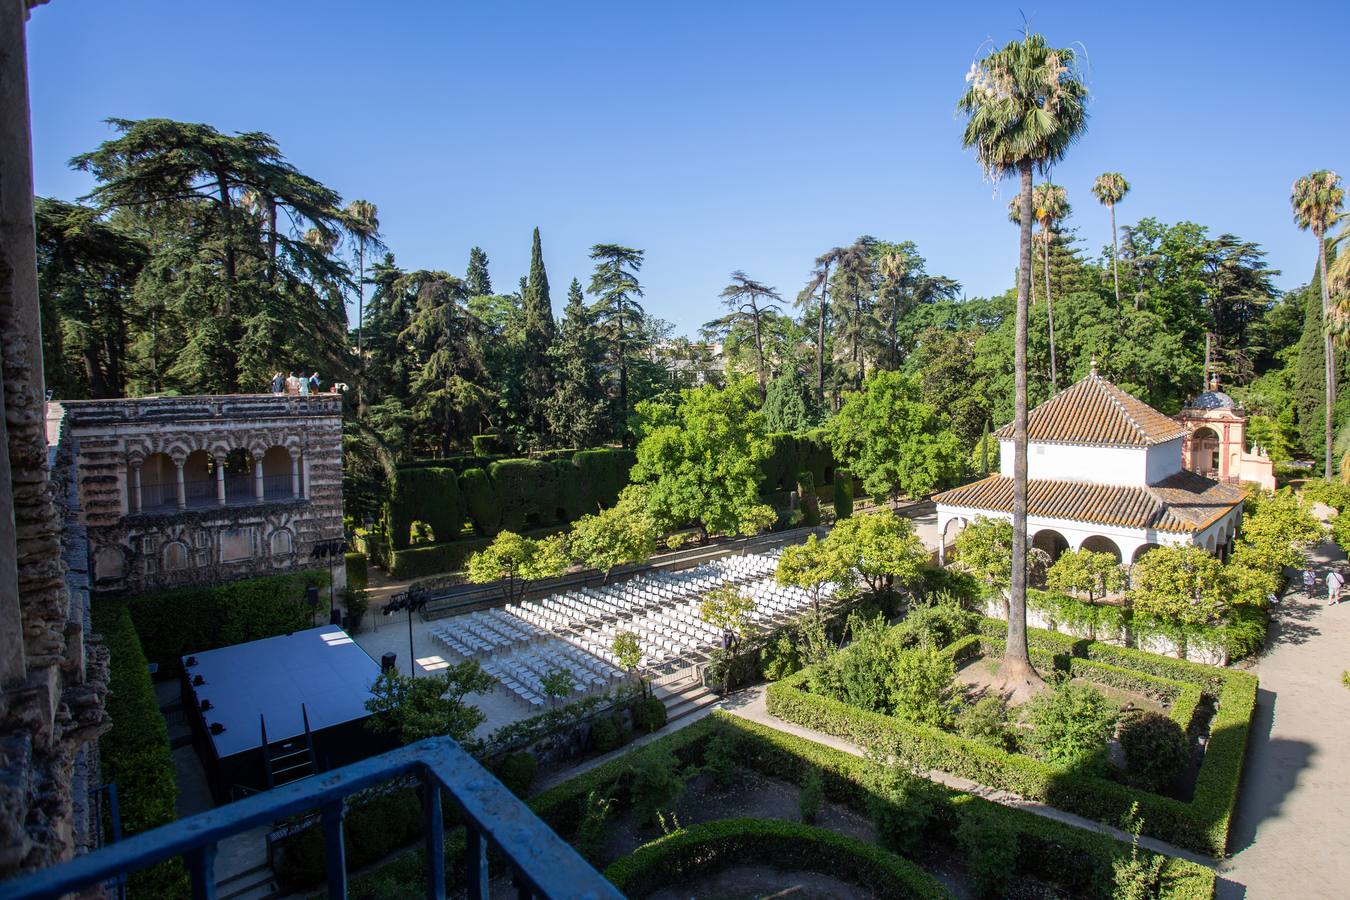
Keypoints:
pixel 1105 473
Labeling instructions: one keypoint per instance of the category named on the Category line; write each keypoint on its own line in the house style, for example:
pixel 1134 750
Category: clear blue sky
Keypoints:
pixel 716 136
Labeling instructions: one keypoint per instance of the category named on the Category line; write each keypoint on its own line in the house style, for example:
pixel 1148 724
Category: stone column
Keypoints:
pixel 295 475
pixel 136 502
pixel 220 480
pixel 304 476
pixel 182 488
pixel 257 478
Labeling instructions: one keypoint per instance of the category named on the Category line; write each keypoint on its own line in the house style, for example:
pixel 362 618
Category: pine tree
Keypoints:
pixel 539 332
pixel 477 279
pixel 575 410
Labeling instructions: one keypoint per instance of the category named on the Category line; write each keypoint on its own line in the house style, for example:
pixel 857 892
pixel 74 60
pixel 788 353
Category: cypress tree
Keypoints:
pixel 1310 374
pixel 478 281
pixel 537 308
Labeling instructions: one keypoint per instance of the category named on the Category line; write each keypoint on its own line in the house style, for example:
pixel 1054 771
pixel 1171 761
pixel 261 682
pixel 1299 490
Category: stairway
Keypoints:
pixel 290 759
pixel 258 883
pixel 686 698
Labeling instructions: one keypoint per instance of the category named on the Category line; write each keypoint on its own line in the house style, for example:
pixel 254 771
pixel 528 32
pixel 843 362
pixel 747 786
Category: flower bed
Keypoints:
pixel 1201 824
pixel 701 849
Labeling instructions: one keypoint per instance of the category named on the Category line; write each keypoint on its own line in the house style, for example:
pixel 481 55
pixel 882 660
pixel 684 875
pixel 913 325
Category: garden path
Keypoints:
pixel 1293 815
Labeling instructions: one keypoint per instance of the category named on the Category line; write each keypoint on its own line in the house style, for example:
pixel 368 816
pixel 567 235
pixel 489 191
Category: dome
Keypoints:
pixel 1212 400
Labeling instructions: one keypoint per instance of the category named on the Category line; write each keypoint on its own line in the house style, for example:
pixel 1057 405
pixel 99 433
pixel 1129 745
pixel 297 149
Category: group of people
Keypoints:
pixel 293 384
pixel 1335 581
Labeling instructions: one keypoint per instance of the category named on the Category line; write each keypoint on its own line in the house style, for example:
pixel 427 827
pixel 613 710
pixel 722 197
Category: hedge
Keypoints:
pixel 358 574
pixel 673 860
pixel 371 830
pixel 1202 824
pixel 437 559
pixel 135 754
pixel 843 494
pixel 790 454
pixel 174 623
pixel 1045 843
pixel 428 495
pixel 526 493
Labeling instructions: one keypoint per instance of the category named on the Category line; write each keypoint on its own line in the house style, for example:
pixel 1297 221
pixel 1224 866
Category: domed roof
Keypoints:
pixel 1212 400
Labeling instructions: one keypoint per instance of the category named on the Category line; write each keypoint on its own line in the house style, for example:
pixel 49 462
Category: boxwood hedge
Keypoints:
pixel 1201 824
pixel 711 846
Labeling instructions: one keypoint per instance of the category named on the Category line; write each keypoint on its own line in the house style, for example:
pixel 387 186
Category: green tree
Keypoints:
pixel 618 314
pixel 984 550
pixel 415 708
pixel 557 684
pixel 893 440
pixel 702 461
pixel 820 280
pixel 629 654
pixel 725 607
pixel 518 560
pixel 1110 188
pixel 1317 199
pixel 1025 105
pixel 1179 586
pixel 812 565
pixel 539 333
pixel 575 410
pixel 750 303
pixel 882 548
pixel 790 406
pixel 1085 572
pixel 624 534
pixel 855 322
pixel 477 280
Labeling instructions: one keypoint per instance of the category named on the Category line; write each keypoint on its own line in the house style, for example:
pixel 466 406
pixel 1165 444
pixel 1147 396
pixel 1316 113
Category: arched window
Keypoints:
pixel 199 479
pixel 277 474
pixel 1052 542
pixel 1099 544
pixel 1205 452
pixel 175 556
pixel 159 483
pixel 1143 548
pixel 239 477
pixel 281 544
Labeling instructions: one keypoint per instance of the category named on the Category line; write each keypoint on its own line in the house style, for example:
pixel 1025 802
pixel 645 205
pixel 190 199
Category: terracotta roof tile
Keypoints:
pixel 1182 503
pixel 1095 411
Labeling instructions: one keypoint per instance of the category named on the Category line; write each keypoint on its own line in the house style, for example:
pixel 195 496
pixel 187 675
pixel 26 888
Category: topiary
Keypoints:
pixel 649 715
pixel 843 493
pixel 517 771
pixel 1156 748
pixel 480 501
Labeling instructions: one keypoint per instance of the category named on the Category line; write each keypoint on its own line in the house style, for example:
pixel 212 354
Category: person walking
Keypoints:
pixel 1309 581
pixel 1335 581
pixel 278 383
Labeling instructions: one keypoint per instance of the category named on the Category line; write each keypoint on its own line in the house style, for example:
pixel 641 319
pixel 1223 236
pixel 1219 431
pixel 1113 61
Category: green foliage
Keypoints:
pixel 781 657
pixel 691 852
pixel 593 830
pixel 881 548
pixel 411 709
pixel 135 753
pixel 935 625
pixel 790 404
pixel 624 534
pixel 843 494
pixel 557 683
pixel 899 808
pixel 986 720
pixel 990 849
pixel 525 492
pixel 424 495
pixel 376 823
pixel 519 560
pixel 657 783
pixel 922 686
pixel 174 623
pixel 893 440
pixel 627 649
pixel 1136 876
pixel 1156 748
pixel 649 715
pixel 517 772
pixel 357 576
pixel 809 801
pixel 1069 724
pixel 1182 584
pixel 1085 572
pixel 719 760
pixel 606 735
pixel 480 501
pixel 436 559
pixel 984 550
pixel 704 466
pixel 725 607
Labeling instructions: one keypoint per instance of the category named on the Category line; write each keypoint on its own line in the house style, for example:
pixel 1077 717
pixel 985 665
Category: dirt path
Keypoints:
pixel 1293 818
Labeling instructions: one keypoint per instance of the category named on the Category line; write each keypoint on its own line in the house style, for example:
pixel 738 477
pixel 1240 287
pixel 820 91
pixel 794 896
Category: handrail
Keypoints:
pixel 542 861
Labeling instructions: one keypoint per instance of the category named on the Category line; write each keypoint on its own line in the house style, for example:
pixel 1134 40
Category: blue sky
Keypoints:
pixel 716 136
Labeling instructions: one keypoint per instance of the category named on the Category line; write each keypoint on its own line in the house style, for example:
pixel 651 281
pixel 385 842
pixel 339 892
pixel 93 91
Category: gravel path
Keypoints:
pixel 1293 819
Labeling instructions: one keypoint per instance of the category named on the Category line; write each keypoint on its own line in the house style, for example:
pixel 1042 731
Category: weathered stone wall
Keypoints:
pixel 135 548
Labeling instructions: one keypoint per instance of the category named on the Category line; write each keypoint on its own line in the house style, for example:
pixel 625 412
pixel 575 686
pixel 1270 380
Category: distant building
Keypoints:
pixel 186 490
pixel 1216 441
pixel 1105 473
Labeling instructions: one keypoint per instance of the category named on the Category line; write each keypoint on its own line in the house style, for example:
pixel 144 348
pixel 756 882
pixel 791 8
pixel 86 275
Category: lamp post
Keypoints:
pixel 413 598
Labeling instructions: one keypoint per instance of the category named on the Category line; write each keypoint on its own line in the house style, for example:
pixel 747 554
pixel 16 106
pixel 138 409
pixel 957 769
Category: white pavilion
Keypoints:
pixel 1105 473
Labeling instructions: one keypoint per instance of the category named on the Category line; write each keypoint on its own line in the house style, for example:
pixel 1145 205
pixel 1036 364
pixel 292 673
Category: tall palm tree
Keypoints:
pixel 362 221
pixel 1110 188
pixel 1025 105
pixel 820 278
pixel 1052 207
pixel 1317 199
pixel 751 303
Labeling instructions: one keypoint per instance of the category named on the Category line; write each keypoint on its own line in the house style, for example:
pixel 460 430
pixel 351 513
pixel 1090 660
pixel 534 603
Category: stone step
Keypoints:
pixel 258 883
pixel 689 701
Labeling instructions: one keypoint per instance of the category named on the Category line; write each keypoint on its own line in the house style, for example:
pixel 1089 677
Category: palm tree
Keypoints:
pixel 820 278
pixel 1317 199
pixel 1110 188
pixel 747 300
pixel 1051 207
pixel 362 221
pixel 1025 105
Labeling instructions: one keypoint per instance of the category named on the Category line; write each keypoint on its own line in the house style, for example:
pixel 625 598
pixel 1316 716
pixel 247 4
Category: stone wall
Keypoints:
pixel 136 546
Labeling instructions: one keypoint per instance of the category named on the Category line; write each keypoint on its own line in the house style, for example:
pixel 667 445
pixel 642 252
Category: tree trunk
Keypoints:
pixel 1017 677
pixel 820 336
pixel 1050 314
pixel 1115 256
pixel 759 352
pixel 1329 351
pixel 360 318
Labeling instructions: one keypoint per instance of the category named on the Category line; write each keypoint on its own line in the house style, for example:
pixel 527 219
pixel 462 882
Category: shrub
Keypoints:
pixel 480 501
pixel 936 624
pixel 656 784
pixel 986 720
pixel 374 826
pixel 989 845
pixel 428 495
pixel 135 753
pixel 649 715
pixel 780 657
pixel 357 576
pixel 593 830
pixel 1156 748
pixel 719 760
pixel 843 493
pixel 921 689
pixel 517 772
pixel 1069 724
pixel 484 444
pixel 813 789
pixel 606 735
pixel 602 474
pixel 899 808
pixel 174 623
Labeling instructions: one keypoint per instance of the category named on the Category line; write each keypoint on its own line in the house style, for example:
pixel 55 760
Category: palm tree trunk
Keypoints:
pixel 1329 350
pixel 1115 256
pixel 1016 672
pixel 820 336
pixel 1050 314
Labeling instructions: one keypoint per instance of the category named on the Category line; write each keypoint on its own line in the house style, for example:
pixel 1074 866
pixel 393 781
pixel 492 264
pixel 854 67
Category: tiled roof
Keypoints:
pixel 1182 503
pixel 1095 411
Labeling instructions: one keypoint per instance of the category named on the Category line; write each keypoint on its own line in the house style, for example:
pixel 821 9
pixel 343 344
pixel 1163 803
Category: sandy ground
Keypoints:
pixel 1293 817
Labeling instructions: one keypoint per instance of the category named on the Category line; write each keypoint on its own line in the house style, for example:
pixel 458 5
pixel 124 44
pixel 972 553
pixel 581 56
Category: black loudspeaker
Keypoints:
pixel 388 661
pixel 335 617
pixel 312 596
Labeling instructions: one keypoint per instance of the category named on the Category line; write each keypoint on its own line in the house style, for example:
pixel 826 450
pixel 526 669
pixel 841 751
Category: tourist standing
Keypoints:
pixel 304 387
pixel 314 383
pixel 1335 581
pixel 292 384
pixel 278 383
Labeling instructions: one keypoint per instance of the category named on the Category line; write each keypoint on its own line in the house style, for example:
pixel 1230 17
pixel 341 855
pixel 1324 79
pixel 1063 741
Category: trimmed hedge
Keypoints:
pixel 712 846
pixel 1201 824
pixel 428 495
pixel 174 623
pixel 437 559
pixel 358 574
pixel 135 753
pixel 370 831
pixel 526 493
pixel 843 494
pixel 790 454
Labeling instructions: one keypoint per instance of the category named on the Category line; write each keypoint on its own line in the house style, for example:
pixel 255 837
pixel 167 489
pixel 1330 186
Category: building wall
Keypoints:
pixel 1101 465
pixel 148 533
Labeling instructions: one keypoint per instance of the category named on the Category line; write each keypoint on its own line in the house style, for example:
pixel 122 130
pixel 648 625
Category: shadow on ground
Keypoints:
pixel 1273 769
pixel 1289 622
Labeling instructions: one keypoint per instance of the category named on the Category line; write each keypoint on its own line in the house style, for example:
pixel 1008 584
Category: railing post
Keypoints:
pixel 434 828
pixel 201 863
pixel 334 851
pixel 475 862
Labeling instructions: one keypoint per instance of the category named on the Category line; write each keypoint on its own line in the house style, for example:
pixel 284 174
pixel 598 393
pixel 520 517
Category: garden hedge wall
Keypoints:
pixel 1202 824
pixel 793 453
pixel 676 858
pixel 434 559
pixel 358 573
pixel 135 753
pixel 174 623
pixel 428 495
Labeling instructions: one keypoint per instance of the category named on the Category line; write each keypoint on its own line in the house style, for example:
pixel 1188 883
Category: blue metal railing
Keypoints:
pixel 543 864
